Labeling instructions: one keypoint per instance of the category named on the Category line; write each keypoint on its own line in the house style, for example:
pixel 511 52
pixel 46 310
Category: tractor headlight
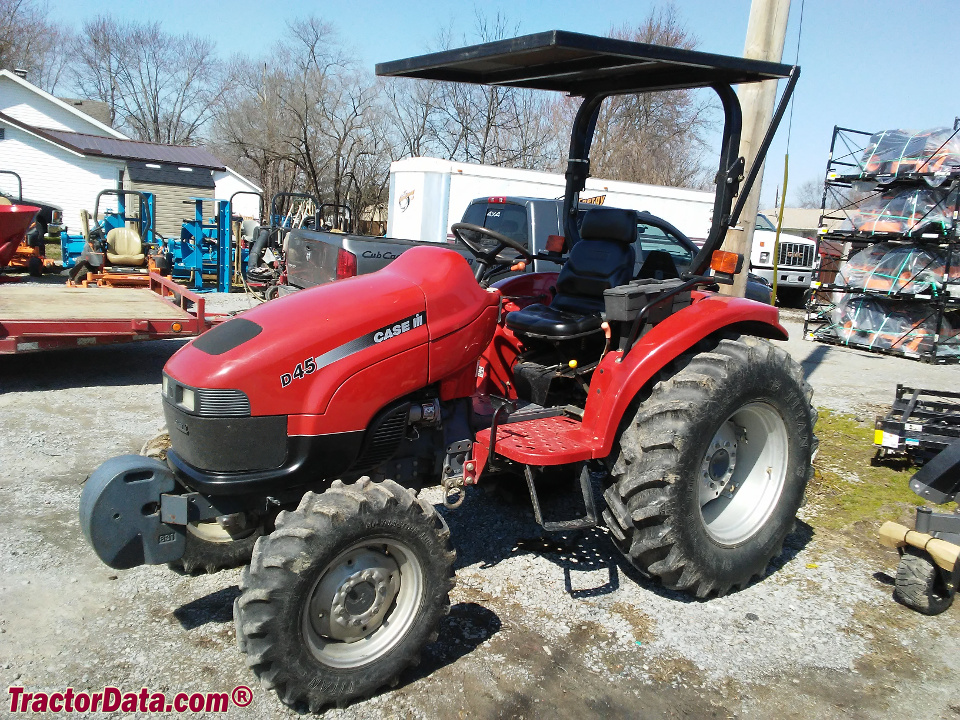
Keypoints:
pixel 188 400
pixel 206 402
pixel 764 257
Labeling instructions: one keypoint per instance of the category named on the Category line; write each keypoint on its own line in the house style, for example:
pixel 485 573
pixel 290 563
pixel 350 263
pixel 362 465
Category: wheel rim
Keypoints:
pixel 742 474
pixel 213 531
pixel 363 603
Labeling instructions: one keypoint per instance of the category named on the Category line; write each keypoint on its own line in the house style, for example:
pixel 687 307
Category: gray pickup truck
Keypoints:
pixel 315 258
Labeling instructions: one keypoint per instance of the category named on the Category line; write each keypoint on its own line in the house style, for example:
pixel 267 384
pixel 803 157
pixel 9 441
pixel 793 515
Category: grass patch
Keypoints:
pixel 53 250
pixel 846 489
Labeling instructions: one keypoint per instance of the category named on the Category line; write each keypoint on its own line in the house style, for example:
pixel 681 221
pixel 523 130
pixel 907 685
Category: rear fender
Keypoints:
pixel 617 381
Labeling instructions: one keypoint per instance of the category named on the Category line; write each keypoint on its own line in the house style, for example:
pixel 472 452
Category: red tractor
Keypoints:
pixel 301 429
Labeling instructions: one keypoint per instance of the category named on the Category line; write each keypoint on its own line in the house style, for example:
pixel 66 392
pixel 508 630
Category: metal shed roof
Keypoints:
pixel 583 65
pixel 134 150
pixel 163 174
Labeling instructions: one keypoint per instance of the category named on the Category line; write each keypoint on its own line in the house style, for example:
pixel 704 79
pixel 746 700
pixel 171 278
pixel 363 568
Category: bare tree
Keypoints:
pixel 250 130
pixel 160 87
pixel 652 137
pixel 31 41
pixel 308 120
pixel 809 194
pixel 472 123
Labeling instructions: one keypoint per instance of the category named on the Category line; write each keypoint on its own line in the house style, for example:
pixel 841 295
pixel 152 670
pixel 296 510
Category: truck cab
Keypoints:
pixel 797 255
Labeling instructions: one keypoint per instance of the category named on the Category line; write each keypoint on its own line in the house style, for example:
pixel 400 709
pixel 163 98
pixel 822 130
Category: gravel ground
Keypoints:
pixel 538 628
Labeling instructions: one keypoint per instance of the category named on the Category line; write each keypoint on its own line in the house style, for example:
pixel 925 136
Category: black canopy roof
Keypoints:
pixel 583 65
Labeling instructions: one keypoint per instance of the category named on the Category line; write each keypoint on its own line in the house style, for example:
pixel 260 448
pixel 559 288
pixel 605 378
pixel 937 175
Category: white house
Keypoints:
pixel 65 157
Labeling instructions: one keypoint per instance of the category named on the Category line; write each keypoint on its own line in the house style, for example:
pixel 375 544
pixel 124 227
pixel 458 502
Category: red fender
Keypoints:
pixel 617 381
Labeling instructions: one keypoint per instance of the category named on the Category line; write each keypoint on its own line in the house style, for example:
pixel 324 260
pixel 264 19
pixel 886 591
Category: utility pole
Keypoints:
pixel 766 32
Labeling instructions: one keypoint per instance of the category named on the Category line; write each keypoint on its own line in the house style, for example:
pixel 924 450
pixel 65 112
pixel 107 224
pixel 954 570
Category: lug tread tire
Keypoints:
pixel 285 565
pixel 661 537
pixel 203 556
pixel 918 584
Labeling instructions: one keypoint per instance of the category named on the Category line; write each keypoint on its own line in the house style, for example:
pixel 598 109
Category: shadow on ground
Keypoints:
pixel 497 523
pixel 82 368
pixel 217 607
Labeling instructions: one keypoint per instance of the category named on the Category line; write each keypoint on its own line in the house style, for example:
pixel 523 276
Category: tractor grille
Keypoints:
pixel 384 437
pixel 205 402
pixel 795 254
pixel 223 403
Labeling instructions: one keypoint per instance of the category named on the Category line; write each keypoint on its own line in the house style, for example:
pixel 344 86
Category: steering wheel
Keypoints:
pixel 489 258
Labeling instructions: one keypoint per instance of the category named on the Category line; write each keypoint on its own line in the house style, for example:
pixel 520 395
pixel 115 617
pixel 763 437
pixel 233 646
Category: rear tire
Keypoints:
pixel 344 594
pixel 918 584
pixel 710 472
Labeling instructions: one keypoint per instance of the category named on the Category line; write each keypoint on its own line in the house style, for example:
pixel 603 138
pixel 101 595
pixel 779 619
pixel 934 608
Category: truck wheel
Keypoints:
pixel 344 594
pixel 710 472
pixel 35 266
pixel 210 547
pixel 919 585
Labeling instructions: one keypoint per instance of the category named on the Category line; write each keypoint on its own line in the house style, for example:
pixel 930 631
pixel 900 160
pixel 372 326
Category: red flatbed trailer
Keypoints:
pixel 36 317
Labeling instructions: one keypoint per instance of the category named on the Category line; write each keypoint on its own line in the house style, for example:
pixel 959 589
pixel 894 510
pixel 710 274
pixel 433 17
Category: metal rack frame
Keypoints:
pixel 847 184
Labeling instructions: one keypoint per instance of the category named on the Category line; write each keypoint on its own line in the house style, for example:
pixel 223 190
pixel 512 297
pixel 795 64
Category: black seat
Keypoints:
pixel 603 259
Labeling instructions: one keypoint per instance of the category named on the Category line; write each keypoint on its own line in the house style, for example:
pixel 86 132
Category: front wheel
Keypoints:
pixel 344 594
pixel 919 585
pixel 214 545
pixel 711 471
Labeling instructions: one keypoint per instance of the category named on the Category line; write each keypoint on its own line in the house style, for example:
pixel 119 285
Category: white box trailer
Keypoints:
pixel 428 195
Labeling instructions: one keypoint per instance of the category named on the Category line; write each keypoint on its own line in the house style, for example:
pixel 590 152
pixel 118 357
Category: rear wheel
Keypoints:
pixel 710 472
pixel 919 585
pixel 345 593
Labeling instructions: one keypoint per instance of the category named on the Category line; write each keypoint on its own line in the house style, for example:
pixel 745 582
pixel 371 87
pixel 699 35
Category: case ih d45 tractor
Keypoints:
pixel 301 429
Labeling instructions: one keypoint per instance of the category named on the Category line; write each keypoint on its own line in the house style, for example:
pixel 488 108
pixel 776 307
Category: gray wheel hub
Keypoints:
pixel 353 597
pixel 743 473
pixel 719 463
pixel 363 602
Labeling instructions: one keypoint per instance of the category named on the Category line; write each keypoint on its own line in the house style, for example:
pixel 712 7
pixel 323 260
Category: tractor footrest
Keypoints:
pixel 543 441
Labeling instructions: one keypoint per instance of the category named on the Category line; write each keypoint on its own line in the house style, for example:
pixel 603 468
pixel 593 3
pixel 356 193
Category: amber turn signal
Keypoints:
pixel 555 243
pixel 176 327
pixel 724 262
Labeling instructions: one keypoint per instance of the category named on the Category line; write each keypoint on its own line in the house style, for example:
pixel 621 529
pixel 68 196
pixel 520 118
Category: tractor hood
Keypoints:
pixel 289 356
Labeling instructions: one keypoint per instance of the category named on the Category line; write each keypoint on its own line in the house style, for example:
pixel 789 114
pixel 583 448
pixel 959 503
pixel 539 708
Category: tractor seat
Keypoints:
pixel 124 247
pixel 603 259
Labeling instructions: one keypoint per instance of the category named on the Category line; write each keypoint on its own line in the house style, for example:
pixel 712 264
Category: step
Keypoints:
pixel 543 441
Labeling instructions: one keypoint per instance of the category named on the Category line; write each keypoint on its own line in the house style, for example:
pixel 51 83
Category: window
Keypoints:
pixel 504 218
pixel 764 224
pixel 651 238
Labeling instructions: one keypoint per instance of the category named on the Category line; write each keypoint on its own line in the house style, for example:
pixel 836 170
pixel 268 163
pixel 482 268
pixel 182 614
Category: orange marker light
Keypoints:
pixel 555 243
pixel 724 262
pixel 176 327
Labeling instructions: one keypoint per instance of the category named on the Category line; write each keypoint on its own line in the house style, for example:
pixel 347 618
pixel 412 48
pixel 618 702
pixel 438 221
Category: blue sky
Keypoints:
pixel 868 65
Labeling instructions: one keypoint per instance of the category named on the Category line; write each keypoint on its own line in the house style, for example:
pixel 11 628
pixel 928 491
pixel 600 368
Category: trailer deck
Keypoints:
pixel 47 317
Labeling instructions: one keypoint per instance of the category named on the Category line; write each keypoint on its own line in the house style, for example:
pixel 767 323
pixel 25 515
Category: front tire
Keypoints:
pixel 344 594
pixel 210 547
pixel 711 471
pixel 918 584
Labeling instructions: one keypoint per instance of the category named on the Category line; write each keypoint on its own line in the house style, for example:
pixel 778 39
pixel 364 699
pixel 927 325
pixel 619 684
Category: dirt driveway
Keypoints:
pixel 552 629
